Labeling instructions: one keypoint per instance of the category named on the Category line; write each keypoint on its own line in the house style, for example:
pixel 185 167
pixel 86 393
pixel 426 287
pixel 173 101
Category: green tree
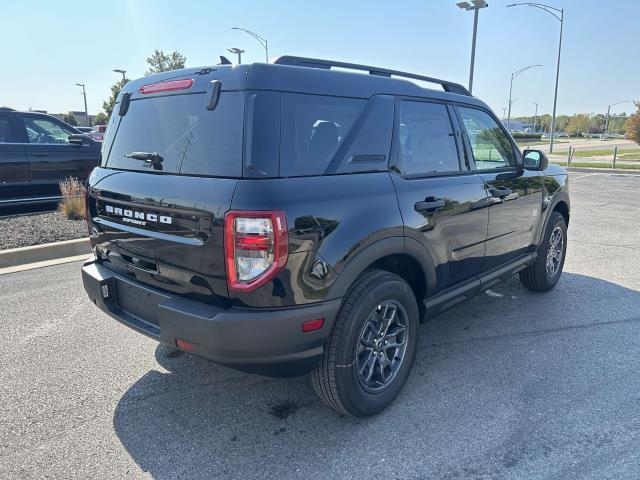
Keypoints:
pixel 578 124
pixel 165 62
pixel 633 125
pixel 562 121
pixel 617 124
pixel 108 105
pixel 596 123
pixel 101 119
pixel 70 119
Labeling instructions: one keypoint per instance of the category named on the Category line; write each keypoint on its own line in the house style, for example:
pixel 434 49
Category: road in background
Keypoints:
pixel 587 144
pixel 511 384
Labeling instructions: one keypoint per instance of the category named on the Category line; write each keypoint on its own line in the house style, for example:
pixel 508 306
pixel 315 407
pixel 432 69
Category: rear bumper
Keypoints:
pixel 266 341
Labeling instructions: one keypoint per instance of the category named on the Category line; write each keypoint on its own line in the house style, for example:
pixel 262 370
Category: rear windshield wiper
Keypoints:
pixel 151 158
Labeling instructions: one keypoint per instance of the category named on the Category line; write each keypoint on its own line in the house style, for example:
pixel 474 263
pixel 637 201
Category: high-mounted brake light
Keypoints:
pixel 256 246
pixel 166 86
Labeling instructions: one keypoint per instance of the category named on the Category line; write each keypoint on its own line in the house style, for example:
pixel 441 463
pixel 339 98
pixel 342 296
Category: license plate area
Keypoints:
pixel 138 302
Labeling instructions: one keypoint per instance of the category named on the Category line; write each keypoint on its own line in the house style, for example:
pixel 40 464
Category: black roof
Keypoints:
pixel 314 76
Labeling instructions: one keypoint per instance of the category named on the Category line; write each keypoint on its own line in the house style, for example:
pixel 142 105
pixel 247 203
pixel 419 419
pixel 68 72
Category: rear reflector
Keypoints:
pixel 312 325
pixel 167 86
pixel 184 345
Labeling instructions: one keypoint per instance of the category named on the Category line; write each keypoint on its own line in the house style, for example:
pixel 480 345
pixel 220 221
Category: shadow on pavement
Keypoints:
pixel 494 385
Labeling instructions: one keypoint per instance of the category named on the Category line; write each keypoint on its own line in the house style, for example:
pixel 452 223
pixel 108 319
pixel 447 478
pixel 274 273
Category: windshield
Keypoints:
pixel 188 138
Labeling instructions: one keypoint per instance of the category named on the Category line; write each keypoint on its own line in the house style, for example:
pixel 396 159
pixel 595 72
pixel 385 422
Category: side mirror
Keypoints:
pixel 78 139
pixel 535 160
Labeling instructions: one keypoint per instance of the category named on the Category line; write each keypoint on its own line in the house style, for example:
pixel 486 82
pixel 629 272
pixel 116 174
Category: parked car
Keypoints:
pixel 84 129
pixel 289 217
pixel 97 132
pixel 37 151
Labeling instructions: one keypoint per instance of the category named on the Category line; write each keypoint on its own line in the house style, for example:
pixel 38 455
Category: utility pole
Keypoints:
pixel 86 112
pixel 477 5
pixel 535 118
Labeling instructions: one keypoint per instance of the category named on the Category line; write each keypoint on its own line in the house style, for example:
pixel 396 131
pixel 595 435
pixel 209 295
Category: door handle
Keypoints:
pixel 501 192
pixel 39 154
pixel 429 205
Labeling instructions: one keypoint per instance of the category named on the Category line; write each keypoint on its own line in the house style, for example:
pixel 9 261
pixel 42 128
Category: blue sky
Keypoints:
pixel 46 47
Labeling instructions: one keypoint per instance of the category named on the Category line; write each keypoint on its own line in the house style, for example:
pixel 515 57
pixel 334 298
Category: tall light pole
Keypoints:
pixel 552 11
pixel 535 117
pixel 475 5
pixel 606 123
pixel 238 52
pixel 262 41
pixel 86 112
pixel 514 75
pixel 123 72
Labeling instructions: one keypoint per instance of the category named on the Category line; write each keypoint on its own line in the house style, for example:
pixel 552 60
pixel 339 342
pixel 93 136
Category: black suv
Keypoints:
pixel 291 217
pixel 37 152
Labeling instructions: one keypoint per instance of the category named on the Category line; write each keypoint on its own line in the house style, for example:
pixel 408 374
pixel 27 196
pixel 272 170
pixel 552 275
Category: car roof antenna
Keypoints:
pixel 224 60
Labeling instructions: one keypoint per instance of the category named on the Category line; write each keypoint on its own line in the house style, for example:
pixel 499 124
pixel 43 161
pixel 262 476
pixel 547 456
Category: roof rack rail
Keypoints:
pixel 6 109
pixel 383 72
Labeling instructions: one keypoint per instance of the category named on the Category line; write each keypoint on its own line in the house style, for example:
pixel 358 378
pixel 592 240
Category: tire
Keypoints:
pixel 357 345
pixel 538 277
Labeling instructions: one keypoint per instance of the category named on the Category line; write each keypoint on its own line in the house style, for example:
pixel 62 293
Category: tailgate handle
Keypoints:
pixel 140 264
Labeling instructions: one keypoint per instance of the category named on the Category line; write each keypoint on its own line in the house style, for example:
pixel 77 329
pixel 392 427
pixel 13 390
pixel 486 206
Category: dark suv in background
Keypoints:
pixel 289 217
pixel 37 151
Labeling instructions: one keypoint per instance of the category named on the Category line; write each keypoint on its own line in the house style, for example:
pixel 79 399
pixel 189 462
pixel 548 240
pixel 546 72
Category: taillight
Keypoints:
pixel 256 247
pixel 170 86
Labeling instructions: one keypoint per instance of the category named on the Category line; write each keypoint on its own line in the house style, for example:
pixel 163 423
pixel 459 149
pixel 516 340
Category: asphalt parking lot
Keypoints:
pixel 508 385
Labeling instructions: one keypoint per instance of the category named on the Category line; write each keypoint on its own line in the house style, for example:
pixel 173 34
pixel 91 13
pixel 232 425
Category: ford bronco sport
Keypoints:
pixel 292 217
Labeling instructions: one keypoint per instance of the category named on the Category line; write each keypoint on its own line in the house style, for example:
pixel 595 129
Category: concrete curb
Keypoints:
pixel 44 252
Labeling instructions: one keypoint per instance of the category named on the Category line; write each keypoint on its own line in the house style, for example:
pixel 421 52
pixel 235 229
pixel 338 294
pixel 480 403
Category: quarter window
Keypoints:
pixel 490 144
pixel 427 141
pixel 313 127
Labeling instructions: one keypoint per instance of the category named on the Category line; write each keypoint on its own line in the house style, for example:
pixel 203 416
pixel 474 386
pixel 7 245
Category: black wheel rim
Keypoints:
pixel 555 252
pixel 382 345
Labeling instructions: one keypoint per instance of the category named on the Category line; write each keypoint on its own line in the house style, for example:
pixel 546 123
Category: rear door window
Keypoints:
pixel 427 142
pixel 190 139
pixel 6 134
pixel 43 130
pixel 313 128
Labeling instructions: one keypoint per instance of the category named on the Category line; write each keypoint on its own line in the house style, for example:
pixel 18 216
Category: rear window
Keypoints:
pixel 190 139
pixel 313 127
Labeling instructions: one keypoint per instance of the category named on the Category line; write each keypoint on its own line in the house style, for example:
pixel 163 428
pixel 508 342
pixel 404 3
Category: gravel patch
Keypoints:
pixel 35 229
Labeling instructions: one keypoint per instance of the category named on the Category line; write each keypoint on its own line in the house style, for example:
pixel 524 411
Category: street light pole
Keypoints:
pixel 123 72
pixel 514 75
pixel 238 52
pixel 606 123
pixel 477 5
pixel 86 112
pixel 262 41
pixel 549 9
pixel 535 118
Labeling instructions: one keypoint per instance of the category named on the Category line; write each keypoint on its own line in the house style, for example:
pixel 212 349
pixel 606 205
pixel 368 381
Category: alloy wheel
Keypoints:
pixel 382 346
pixel 555 252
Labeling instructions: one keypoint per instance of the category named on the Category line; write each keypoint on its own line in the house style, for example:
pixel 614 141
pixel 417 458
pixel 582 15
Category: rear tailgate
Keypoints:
pixel 161 222
pixel 161 232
